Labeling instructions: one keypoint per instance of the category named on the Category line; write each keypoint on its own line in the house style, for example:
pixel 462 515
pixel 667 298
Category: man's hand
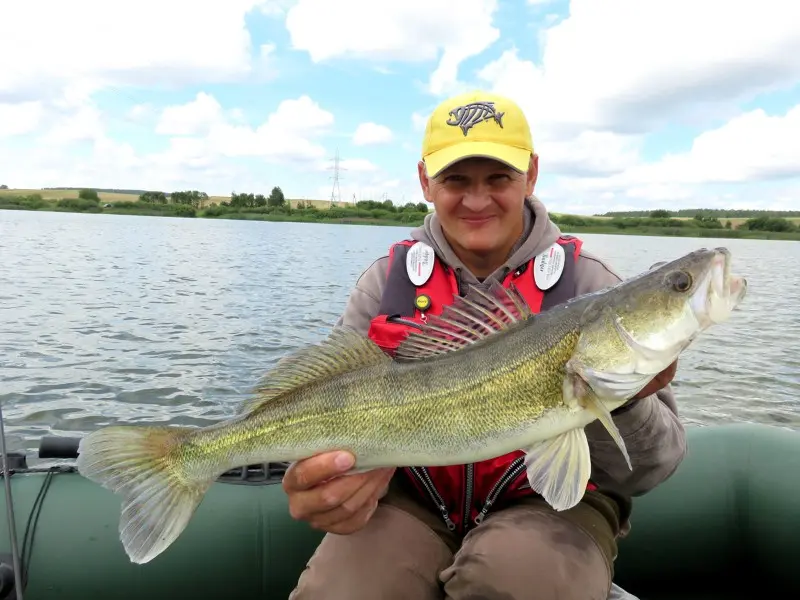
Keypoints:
pixel 658 382
pixel 326 500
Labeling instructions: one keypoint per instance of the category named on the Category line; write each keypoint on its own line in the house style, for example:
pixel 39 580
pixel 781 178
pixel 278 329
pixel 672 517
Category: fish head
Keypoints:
pixel 674 301
pixel 636 329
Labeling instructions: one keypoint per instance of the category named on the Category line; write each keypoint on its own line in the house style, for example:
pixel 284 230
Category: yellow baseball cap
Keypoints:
pixel 476 124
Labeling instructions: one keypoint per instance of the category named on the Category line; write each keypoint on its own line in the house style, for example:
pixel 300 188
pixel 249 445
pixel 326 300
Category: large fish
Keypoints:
pixel 482 379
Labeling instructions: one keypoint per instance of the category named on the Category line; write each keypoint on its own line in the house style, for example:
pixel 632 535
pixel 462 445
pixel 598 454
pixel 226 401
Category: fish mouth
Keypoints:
pixel 719 292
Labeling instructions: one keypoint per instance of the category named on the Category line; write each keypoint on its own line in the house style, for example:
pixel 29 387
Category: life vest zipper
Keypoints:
pixel 469 481
pixel 513 471
pixel 422 475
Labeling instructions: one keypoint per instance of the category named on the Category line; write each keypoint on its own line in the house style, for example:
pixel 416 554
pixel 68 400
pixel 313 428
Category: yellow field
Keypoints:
pixel 117 197
pixel 58 194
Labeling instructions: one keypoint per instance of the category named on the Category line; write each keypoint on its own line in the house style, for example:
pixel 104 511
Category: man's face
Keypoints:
pixel 479 202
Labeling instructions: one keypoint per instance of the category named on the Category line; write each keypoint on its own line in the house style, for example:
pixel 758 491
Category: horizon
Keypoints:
pixel 726 212
pixel 250 95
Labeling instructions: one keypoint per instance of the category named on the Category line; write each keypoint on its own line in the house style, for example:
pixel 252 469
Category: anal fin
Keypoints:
pixel 559 468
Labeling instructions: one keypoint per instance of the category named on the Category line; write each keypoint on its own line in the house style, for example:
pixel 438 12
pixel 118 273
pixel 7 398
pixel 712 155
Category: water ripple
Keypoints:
pixel 121 319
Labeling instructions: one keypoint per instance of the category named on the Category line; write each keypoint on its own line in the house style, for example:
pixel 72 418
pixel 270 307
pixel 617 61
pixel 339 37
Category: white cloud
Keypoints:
pixel 372 133
pixel 140 112
pixel 600 71
pixel 286 136
pixel 410 31
pixel 178 44
pixel 203 143
pixel 361 165
pixel 418 121
pixel 275 8
pixel 194 118
pixel 589 153
pixel 602 85
pixel 750 147
pixel 19 119
pixel 721 169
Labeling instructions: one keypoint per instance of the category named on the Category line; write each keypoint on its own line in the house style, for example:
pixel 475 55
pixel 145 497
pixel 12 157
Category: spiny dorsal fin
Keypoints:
pixel 480 314
pixel 344 350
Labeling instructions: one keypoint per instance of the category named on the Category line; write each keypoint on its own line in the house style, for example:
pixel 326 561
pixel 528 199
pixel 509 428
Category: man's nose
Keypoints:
pixel 477 198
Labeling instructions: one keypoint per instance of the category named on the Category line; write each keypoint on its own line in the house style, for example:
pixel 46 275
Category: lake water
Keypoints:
pixel 107 318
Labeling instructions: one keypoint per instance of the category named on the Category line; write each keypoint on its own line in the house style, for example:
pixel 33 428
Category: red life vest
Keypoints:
pixel 463 494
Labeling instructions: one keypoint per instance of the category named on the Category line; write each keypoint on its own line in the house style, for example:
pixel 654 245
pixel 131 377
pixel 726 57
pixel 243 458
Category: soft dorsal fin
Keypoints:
pixel 478 315
pixel 344 350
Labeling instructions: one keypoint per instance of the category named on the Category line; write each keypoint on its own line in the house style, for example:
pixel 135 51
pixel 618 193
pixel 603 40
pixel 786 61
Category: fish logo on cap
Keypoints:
pixel 469 115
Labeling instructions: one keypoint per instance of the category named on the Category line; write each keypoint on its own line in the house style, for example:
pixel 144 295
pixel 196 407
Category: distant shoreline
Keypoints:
pixel 377 214
pixel 240 216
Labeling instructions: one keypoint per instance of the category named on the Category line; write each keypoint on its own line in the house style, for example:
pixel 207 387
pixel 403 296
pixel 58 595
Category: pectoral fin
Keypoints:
pixel 559 468
pixel 597 408
pixel 577 393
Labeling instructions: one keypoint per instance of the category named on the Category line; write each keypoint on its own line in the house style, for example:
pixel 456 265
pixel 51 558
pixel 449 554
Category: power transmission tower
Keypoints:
pixel 336 192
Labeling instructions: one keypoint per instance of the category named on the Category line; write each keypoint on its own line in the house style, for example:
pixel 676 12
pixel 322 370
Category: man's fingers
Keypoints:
pixel 312 471
pixel 331 522
pixel 370 490
pixel 346 497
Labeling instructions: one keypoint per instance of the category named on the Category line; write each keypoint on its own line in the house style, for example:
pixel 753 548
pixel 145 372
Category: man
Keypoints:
pixel 477 531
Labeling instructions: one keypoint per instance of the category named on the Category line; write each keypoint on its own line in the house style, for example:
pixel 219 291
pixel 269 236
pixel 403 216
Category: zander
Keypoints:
pixel 484 378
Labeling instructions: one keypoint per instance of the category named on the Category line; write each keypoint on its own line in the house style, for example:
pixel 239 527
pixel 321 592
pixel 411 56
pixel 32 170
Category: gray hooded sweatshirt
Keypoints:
pixel 653 434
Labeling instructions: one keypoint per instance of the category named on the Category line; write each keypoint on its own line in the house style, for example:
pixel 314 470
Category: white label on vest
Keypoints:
pixel 419 263
pixel 548 266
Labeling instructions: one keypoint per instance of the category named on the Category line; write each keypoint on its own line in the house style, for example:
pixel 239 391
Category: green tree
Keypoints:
pixel 276 197
pixel 778 224
pixel 88 194
pixel 153 197
pixel 192 198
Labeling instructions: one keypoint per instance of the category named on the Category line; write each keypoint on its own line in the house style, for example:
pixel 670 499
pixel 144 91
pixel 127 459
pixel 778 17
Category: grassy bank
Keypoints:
pixel 384 213
pixel 688 232
pixel 701 226
pixel 376 214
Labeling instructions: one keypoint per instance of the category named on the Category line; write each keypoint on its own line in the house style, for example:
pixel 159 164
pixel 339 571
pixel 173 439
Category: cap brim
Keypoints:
pixel 516 158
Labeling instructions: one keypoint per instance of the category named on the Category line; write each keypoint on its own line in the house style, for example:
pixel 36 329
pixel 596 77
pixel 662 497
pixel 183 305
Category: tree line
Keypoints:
pixel 711 212
pixel 705 219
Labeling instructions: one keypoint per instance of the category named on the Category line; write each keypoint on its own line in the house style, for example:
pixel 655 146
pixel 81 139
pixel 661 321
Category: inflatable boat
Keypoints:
pixel 725 525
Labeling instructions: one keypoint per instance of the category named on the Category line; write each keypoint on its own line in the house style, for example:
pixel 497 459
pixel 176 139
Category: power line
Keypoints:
pixel 336 192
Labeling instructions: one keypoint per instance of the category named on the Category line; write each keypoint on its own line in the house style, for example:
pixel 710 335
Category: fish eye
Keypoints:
pixel 680 281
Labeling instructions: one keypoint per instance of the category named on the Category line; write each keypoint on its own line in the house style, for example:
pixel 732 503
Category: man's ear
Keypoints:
pixel 532 175
pixel 424 180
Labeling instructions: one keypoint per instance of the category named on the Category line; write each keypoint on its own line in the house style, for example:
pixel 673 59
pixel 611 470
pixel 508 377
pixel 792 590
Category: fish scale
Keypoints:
pixel 483 378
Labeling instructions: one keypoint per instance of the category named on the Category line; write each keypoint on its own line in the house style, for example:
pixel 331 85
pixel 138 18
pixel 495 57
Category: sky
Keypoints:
pixel 633 104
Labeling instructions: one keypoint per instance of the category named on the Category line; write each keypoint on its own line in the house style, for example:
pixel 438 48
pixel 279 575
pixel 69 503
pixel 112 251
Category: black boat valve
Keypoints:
pixel 8 589
pixel 53 446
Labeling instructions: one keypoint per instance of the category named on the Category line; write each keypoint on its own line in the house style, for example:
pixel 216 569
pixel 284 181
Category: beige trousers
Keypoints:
pixel 524 551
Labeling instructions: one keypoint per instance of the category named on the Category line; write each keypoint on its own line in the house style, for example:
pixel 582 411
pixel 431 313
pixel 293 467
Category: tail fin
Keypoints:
pixel 158 501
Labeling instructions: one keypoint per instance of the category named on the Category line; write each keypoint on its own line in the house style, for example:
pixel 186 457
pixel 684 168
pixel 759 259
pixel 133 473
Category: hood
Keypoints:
pixel 538 234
